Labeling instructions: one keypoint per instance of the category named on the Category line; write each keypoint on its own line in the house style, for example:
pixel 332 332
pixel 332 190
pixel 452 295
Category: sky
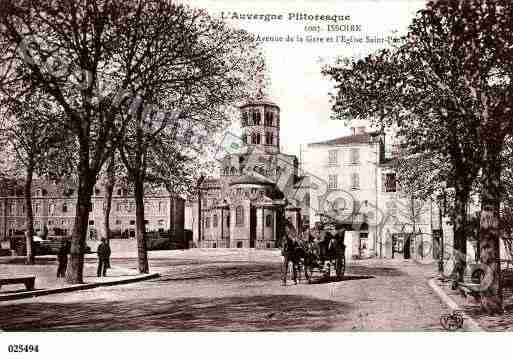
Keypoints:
pixel 294 68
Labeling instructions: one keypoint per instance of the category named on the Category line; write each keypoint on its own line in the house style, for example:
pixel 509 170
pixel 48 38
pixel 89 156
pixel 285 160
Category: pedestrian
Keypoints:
pixel 103 258
pixel 62 258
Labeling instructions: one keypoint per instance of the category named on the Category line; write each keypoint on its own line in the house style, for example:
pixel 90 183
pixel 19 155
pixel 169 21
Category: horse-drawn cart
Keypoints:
pixel 321 252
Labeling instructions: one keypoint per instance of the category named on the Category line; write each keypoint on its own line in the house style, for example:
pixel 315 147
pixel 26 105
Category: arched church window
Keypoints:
pixel 239 216
pixel 268 118
pixel 269 138
pixel 268 220
pixel 256 118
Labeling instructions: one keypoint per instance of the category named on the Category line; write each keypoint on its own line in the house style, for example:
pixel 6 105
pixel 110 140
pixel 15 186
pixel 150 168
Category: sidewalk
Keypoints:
pixel 47 282
pixel 473 309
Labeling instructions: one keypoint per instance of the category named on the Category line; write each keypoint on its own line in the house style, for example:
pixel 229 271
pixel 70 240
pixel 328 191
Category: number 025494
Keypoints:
pixel 23 348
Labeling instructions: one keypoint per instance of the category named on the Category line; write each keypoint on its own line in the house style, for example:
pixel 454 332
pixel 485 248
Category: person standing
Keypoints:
pixel 103 258
pixel 62 258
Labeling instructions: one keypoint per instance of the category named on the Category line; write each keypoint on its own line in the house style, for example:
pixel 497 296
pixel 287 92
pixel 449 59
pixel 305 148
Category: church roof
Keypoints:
pixel 259 100
pixel 250 179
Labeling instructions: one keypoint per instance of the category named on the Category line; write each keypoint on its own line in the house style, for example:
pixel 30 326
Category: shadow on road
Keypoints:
pixel 249 273
pixel 374 271
pixel 332 279
pixel 234 313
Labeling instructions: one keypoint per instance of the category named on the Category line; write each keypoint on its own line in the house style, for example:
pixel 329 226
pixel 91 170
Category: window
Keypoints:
pixel 268 220
pixel 228 221
pixel 245 118
pixel 91 223
pixel 51 209
pixel 332 182
pixel 161 222
pixel 215 220
pixel 118 207
pixel 268 118
pixel 332 157
pixel 214 245
pixel 269 137
pixel 37 208
pixel 207 222
pixel 233 171
pixel 355 181
pixel 355 156
pixel 256 138
pixel 256 118
pixel 239 216
pixel 390 182
pixel 161 207
pixel 119 192
pixel 118 222
pixel 50 222
pixel 132 222
pixel 12 209
pixel 96 191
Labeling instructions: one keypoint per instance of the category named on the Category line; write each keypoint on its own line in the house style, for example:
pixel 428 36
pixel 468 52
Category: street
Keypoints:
pixel 236 291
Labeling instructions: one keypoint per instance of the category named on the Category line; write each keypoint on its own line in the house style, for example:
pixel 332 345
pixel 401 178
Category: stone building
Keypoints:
pixel 247 206
pixel 54 208
pixel 356 184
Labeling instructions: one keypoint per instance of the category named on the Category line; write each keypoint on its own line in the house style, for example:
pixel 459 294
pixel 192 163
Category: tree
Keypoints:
pixel 454 75
pixel 31 127
pixel 91 56
pixel 409 87
pixel 199 68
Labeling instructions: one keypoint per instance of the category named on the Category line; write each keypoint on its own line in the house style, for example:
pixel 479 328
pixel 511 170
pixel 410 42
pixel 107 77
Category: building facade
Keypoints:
pixel 54 204
pixel 247 206
pixel 357 186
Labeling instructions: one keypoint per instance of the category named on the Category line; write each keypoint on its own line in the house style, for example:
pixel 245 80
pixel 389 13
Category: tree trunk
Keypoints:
pixel 109 188
pixel 459 225
pixel 29 219
pixel 86 182
pixel 491 297
pixel 142 253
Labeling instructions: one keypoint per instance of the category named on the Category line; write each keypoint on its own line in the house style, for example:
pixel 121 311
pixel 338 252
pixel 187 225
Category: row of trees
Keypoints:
pixel 448 88
pixel 112 87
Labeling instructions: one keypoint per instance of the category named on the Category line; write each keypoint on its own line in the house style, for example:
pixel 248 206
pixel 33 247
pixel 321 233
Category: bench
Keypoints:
pixel 28 281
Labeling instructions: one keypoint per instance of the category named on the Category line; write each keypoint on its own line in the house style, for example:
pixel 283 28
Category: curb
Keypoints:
pixel 76 287
pixel 469 324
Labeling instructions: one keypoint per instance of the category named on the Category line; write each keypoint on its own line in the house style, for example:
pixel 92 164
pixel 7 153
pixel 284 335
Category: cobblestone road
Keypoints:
pixel 228 293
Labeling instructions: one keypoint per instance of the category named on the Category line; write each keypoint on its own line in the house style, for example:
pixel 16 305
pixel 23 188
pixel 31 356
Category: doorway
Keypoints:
pixel 252 227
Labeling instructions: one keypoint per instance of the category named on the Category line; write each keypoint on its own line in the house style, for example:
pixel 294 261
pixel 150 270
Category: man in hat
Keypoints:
pixel 103 258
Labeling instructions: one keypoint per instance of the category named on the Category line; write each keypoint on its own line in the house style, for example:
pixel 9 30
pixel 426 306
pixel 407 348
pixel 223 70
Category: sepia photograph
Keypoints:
pixel 234 167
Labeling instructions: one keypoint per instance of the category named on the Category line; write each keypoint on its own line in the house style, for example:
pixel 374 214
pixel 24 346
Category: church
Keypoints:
pixel 247 206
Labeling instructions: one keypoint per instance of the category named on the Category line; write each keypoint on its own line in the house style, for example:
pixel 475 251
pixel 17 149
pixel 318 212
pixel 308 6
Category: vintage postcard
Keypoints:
pixel 242 166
